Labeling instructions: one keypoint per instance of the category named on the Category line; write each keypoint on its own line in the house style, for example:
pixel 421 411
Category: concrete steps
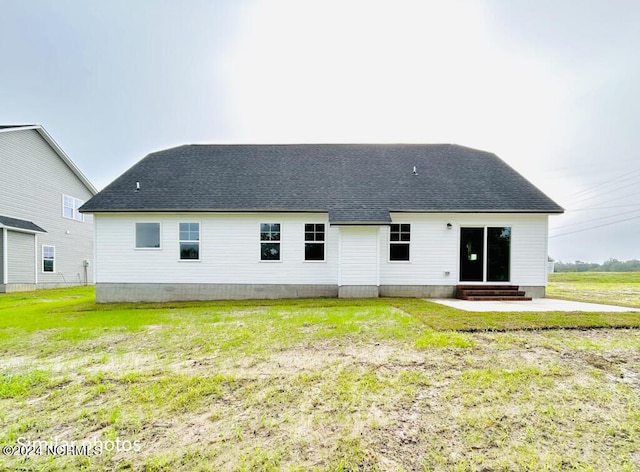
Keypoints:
pixel 490 292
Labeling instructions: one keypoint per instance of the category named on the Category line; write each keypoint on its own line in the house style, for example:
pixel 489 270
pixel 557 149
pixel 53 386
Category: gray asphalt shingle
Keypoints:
pixel 353 182
pixel 20 224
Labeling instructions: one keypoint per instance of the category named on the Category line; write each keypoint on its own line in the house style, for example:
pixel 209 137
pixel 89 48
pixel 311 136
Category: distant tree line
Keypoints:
pixel 612 265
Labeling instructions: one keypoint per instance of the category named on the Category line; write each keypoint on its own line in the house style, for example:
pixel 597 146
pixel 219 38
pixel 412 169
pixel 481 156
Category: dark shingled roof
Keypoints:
pixel 20 224
pixel 355 183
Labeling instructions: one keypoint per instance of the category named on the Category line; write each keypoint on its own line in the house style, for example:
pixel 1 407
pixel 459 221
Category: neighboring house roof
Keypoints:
pixel 58 150
pixel 355 183
pixel 21 225
pixel 16 126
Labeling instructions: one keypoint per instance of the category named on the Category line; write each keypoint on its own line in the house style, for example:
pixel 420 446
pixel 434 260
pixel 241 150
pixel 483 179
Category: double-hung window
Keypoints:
pixel 48 258
pixel 314 242
pixel 399 241
pixel 70 206
pixel 189 241
pixel 270 242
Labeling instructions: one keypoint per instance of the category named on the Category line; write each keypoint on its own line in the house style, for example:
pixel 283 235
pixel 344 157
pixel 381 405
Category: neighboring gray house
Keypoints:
pixel 268 221
pixel 44 240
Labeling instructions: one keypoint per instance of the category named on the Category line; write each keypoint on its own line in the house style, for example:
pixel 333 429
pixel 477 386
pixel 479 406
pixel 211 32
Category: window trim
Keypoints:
pixel 199 241
pixel 278 242
pixel 75 214
pixel 323 242
pixel 53 271
pixel 399 242
pixel 135 236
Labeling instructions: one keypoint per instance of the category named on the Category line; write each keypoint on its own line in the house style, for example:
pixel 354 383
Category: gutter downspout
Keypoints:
pixel 5 257
pixel 339 257
pixel 35 251
pixel 378 259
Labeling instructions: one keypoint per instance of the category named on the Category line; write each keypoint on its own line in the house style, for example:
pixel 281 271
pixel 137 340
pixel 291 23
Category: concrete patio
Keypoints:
pixel 537 304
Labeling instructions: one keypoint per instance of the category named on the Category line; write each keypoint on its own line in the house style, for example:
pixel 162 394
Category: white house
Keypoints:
pixel 44 240
pixel 270 221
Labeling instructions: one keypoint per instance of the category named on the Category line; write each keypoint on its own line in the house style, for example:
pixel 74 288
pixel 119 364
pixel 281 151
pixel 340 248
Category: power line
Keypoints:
pixel 619 197
pixel 593 168
pixel 597 219
pixel 594 227
pixel 604 208
pixel 605 192
pixel 621 178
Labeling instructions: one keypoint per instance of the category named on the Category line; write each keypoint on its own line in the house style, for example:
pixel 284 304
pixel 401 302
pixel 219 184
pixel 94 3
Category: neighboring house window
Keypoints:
pixel 147 235
pixel 70 207
pixel 399 240
pixel 189 241
pixel 48 258
pixel 314 242
pixel 270 242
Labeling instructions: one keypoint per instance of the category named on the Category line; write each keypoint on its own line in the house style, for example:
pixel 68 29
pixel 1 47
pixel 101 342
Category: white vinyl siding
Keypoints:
pixel 229 245
pixel 21 258
pixel 229 251
pixel 32 182
pixel 529 254
pixel 359 255
pixel 435 249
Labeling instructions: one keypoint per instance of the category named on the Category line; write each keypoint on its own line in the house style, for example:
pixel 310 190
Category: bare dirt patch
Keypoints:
pixel 312 406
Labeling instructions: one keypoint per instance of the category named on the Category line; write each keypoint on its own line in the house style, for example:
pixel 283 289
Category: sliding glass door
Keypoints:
pixel 485 254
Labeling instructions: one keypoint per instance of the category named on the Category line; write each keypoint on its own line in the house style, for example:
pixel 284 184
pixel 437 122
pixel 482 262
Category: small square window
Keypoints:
pixel 270 251
pixel 314 252
pixel 270 232
pixel 189 231
pixel 147 235
pixel 399 252
pixel 189 251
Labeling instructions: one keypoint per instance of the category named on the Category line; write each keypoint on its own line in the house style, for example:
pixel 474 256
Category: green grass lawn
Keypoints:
pixel 322 384
pixel 617 288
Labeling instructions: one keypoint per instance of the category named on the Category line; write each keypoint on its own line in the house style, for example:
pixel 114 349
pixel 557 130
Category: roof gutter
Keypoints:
pixel 309 210
pixel 538 212
pixel 204 210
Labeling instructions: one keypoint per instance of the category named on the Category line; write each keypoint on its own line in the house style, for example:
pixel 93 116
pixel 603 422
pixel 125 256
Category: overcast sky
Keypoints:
pixel 551 86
